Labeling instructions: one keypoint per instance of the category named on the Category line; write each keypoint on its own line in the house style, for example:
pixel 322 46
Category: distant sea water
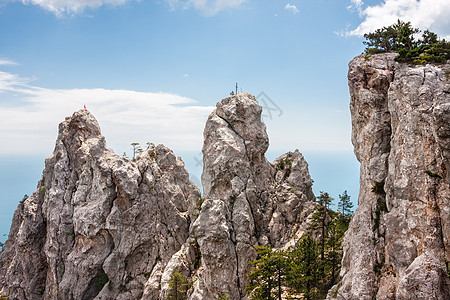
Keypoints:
pixel 332 172
pixel 19 176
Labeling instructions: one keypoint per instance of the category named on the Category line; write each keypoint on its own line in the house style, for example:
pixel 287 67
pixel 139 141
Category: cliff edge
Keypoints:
pixel 397 245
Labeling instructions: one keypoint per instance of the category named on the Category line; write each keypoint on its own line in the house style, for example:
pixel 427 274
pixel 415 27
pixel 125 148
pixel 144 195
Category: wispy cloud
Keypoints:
pixel 62 7
pixel 424 14
pixel 356 5
pixel 206 7
pixel 7 62
pixel 29 116
pixel 73 7
pixel 291 8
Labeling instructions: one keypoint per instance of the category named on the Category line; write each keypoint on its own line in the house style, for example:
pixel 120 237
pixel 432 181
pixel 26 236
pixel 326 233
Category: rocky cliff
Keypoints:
pixel 397 245
pixel 97 224
pixel 100 226
pixel 248 201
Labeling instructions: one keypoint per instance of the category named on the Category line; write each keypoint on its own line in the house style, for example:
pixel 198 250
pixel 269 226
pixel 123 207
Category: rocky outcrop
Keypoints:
pixel 397 245
pixel 247 202
pixel 100 226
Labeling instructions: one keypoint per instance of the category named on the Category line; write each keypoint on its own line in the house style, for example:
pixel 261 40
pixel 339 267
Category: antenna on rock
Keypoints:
pixel 236 88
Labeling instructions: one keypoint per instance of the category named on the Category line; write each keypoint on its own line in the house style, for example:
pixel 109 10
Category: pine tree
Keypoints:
pixel 392 38
pixel 177 286
pixel 400 38
pixel 304 277
pixel 136 149
pixel 268 276
pixel 345 205
pixel 334 250
pixel 279 262
pixel 319 222
pixel 261 281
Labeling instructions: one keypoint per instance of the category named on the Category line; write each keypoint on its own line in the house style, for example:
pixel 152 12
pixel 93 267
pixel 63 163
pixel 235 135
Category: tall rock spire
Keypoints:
pixel 397 244
pixel 99 225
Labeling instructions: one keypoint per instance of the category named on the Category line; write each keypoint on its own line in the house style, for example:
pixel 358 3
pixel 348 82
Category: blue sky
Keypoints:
pixel 153 70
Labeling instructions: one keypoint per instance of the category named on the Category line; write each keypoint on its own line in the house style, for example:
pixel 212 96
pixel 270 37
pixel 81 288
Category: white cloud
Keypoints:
pixel 206 7
pixel 356 5
pixel 424 14
pixel 72 7
pixel 5 62
pixel 61 7
pixel 292 8
pixel 29 117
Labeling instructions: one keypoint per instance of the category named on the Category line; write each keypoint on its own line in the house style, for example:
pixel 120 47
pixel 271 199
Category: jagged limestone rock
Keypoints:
pixel 398 240
pixel 248 202
pixel 98 224
pixel 101 226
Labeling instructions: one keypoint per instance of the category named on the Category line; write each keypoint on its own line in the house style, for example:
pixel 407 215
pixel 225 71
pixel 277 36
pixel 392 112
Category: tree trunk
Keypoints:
pixel 279 284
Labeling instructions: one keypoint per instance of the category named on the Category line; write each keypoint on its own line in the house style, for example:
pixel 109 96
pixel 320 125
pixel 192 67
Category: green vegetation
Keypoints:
pixel 319 222
pixel 269 274
pixel 198 258
pixel 381 208
pixel 345 205
pixel 285 165
pixel 178 286
pixel 122 288
pixel 136 149
pixel 400 38
pixel 310 268
pixel 433 175
pixel 101 279
pixel 223 297
pixel 199 203
pixel 447 267
pixel 378 188
pixel 304 273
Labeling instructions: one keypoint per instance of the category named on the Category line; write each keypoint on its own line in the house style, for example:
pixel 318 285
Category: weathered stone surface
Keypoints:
pixel 98 225
pixel 248 200
pixel 398 239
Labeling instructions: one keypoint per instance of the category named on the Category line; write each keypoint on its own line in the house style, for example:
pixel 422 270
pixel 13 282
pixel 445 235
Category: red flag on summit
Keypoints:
pixel 85 106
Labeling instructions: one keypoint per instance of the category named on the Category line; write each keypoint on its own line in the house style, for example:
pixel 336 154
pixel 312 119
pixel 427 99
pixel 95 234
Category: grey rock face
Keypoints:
pixel 248 200
pixel 398 239
pixel 99 225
